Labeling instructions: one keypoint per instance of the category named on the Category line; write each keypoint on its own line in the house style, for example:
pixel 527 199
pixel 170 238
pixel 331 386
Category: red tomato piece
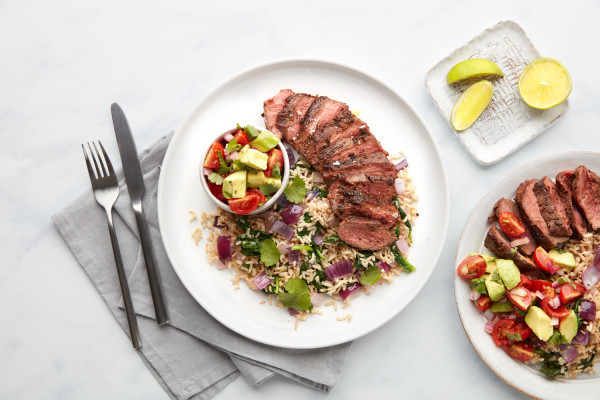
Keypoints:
pixel 540 285
pixel 520 351
pixel 472 267
pixel 570 291
pixel 511 225
pixel 483 303
pixel 519 332
pixel 521 297
pixel 558 312
pixel 525 281
pixel 275 158
pixel 543 261
pixel 241 137
pixel 500 330
pixel 248 203
pixel 216 190
pixel 256 192
pixel 212 159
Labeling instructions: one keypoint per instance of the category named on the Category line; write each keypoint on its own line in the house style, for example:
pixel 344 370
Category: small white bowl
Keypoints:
pixel 285 176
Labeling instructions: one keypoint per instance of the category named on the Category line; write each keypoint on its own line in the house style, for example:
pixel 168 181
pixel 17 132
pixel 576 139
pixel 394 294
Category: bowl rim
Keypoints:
pixel 284 180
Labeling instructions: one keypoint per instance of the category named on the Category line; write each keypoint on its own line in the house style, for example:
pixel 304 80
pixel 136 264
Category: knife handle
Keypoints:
pixel 158 296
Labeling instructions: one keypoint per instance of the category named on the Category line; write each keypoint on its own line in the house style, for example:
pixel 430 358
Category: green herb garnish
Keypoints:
pixel 297 296
pixel 276 172
pixel 250 131
pixel 296 191
pixel 269 253
pixel 233 146
pixel 223 167
pixel 478 285
pixel 400 260
pixel 268 188
pixel 307 218
pixel 322 193
pixel 215 178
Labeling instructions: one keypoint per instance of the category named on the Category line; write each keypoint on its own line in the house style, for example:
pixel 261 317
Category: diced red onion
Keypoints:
pixel 311 194
pixel 582 337
pixel 283 201
pixel 555 284
pixel 233 156
pixel 554 302
pixel 290 154
pixel 261 281
pixel 291 214
pixel 591 275
pixel 292 311
pixel 384 267
pixel 216 223
pixel 224 248
pixel 558 271
pixel 294 256
pixel 475 295
pixel 208 171
pixel 283 230
pixel 587 310
pixel 399 185
pixel 511 316
pixel 520 241
pixel 317 299
pixel 488 327
pixel 318 239
pixel 339 269
pixel 555 321
pixel 220 265
pixel 540 295
pixel 317 177
pixel 350 289
pixel 402 246
pixel 489 315
pixel 228 137
pixel 569 352
pixel 269 219
pixel 401 164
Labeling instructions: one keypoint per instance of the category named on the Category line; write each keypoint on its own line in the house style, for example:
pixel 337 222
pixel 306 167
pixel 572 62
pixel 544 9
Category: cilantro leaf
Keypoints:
pixel 233 146
pixel 269 253
pixel 215 178
pixel 322 193
pixel 276 173
pixel 478 285
pixel 239 166
pixel 297 296
pixel 268 188
pixel 223 167
pixel 250 131
pixel 370 276
pixel 556 338
pixel 296 191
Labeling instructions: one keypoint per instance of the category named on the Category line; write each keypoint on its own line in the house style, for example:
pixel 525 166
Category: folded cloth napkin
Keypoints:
pixel 195 356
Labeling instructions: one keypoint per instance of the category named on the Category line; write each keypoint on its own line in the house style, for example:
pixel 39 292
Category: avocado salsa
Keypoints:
pixel 243 169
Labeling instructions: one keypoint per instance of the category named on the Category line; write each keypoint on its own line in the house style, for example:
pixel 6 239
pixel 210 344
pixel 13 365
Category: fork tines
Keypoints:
pixel 98 172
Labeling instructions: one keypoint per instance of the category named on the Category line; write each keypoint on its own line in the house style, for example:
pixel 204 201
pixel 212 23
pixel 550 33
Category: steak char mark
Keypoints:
pixel 586 193
pixel 564 186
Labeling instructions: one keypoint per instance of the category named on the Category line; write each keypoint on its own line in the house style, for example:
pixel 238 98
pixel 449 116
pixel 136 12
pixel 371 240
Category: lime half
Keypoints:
pixel 473 68
pixel 471 104
pixel 544 83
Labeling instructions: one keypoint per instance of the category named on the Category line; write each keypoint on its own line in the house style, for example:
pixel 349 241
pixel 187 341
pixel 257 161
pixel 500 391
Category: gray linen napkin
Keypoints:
pixel 196 356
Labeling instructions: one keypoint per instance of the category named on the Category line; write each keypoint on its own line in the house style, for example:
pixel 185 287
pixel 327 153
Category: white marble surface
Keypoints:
pixel 62 64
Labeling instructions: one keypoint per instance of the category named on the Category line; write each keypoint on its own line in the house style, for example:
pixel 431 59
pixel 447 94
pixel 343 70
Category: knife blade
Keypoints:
pixel 136 188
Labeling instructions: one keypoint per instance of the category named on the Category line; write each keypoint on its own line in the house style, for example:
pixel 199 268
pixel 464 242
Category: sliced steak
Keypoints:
pixel 564 181
pixel 586 193
pixel 371 185
pixel 348 201
pixel 508 205
pixel 362 144
pixel 552 208
pixel 365 233
pixel 363 164
pixel 288 119
pixel 497 243
pixel 272 108
pixel 530 211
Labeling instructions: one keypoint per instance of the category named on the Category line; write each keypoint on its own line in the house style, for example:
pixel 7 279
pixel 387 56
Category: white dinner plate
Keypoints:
pixel 240 100
pixel 522 377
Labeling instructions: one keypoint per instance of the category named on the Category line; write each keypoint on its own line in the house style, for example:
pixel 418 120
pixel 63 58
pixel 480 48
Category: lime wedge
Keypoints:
pixel 471 104
pixel 544 83
pixel 472 68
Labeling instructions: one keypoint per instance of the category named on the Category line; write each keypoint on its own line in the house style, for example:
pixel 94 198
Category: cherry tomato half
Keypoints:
pixel 525 281
pixel 483 303
pixel 543 261
pixel 472 267
pixel 558 312
pixel 520 351
pixel 241 137
pixel 511 224
pixel 248 203
pixel 275 157
pixel 212 159
pixel 216 190
pixel 571 291
pixel 500 330
pixel 521 297
pixel 540 285
pixel 519 332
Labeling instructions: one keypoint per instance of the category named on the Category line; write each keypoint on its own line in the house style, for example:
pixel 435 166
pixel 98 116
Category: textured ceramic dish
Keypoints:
pixel 522 377
pixel 392 121
pixel 507 123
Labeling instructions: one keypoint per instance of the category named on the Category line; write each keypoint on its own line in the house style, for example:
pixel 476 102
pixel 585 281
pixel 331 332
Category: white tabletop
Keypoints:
pixel 62 64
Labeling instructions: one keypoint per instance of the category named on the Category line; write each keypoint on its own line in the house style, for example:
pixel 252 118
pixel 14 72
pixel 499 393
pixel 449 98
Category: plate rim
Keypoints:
pixel 323 64
pixel 457 281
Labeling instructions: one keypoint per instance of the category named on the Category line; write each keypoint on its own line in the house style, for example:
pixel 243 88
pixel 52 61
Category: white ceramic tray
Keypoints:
pixel 507 123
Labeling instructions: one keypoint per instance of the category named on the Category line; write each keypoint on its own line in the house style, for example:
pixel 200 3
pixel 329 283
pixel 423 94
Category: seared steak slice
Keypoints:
pixel 365 233
pixel 497 243
pixel 565 191
pixel 272 108
pixel 371 185
pixel 507 205
pixel 552 208
pixel 532 216
pixel 362 144
pixel 288 119
pixel 586 192
pixel 363 164
pixel 347 201
pixel 321 111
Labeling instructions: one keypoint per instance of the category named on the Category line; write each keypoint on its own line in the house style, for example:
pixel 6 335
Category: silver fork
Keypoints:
pixel 106 192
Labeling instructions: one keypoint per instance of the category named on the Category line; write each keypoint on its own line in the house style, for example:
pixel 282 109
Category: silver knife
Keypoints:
pixel 135 185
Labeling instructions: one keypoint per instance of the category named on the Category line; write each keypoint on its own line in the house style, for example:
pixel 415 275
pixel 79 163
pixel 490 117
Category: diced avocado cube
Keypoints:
pixel 510 274
pixel 253 158
pixel 539 322
pixel 568 326
pixel 562 258
pixel 494 288
pixel 502 306
pixel 265 141
pixel 234 185
pixel 256 179
pixel 273 181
